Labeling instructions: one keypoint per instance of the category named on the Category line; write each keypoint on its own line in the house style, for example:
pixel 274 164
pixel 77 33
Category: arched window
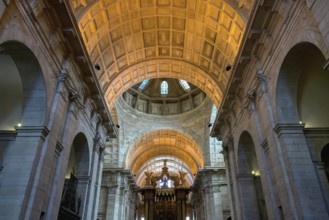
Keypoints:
pixel 164 88
pixel 185 85
pixel 143 85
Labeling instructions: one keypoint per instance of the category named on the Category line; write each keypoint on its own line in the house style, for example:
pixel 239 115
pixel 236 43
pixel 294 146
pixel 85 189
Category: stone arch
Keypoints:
pixel 75 189
pixel 251 192
pixel 302 87
pixel 198 38
pixel 163 68
pixel 173 163
pixel 164 142
pixel 22 78
pixel 22 92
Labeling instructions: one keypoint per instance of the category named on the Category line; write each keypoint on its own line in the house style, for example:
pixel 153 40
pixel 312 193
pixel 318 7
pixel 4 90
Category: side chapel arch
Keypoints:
pixel 249 180
pixel 301 77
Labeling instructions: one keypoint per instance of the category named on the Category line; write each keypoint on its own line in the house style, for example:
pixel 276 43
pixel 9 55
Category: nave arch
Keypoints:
pixel 22 95
pixel 301 99
pixel 249 179
pixel 301 76
pixel 164 142
pixel 76 187
pixel 23 91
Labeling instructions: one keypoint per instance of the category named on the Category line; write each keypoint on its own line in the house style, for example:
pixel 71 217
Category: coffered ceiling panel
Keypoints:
pixel 164 142
pixel 123 36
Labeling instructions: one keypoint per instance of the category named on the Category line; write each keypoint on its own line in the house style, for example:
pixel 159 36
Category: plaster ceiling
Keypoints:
pixel 134 40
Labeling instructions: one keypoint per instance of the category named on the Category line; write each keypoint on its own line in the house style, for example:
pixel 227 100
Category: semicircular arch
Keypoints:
pixel 164 142
pixel 177 69
pixel 124 38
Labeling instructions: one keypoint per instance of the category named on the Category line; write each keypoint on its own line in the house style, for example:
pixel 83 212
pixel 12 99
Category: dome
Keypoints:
pixel 164 96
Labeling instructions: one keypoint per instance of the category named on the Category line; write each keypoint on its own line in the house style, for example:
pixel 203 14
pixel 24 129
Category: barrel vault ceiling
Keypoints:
pixel 134 40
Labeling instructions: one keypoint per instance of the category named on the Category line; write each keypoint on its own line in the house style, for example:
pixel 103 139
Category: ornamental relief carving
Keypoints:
pixel 245 4
pixel 78 3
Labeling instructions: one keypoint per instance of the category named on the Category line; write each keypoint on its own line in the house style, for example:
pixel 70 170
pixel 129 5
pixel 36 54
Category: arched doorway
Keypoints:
pixel 252 197
pixel 75 188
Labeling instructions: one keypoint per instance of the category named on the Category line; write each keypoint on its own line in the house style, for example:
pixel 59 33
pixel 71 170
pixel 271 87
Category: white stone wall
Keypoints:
pixel 290 178
pixel 194 124
pixel 37 153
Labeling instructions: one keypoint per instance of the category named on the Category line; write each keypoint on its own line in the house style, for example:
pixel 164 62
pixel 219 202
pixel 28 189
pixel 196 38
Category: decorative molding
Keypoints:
pixel 97 144
pixel 262 86
pixel 32 131
pixel 84 179
pixel 244 177
pixel 326 65
pixel 289 129
pixel 59 148
pixel 309 3
pixel 245 4
pixel 78 3
pixel 319 164
pixel 8 135
pixel 265 146
pixel 249 105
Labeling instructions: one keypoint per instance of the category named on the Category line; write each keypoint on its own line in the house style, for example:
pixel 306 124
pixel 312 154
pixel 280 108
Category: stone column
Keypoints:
pixel 248 194
pixel 63 135
pixel 82 194
pixel 132 200
pixel 197 203
pixel 207 198
pixel 298 163
pixel 94 173
pixel 119 189
pixel 181 194
pixel 19 171
pixel 45 179
pixel 149 195
pixel 230 173
pixel 320 166
pixel 98 182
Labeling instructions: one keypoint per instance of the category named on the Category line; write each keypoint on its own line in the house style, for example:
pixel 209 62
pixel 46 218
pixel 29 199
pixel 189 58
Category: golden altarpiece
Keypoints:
pixel 165 196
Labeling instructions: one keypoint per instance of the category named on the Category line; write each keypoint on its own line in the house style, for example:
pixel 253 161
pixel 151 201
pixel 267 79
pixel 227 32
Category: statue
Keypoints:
pixel 182 177
pixel 164 181
pixel 148 179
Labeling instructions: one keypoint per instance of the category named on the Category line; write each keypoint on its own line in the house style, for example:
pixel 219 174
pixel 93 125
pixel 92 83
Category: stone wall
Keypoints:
pixel 285 152
pixel 57 108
